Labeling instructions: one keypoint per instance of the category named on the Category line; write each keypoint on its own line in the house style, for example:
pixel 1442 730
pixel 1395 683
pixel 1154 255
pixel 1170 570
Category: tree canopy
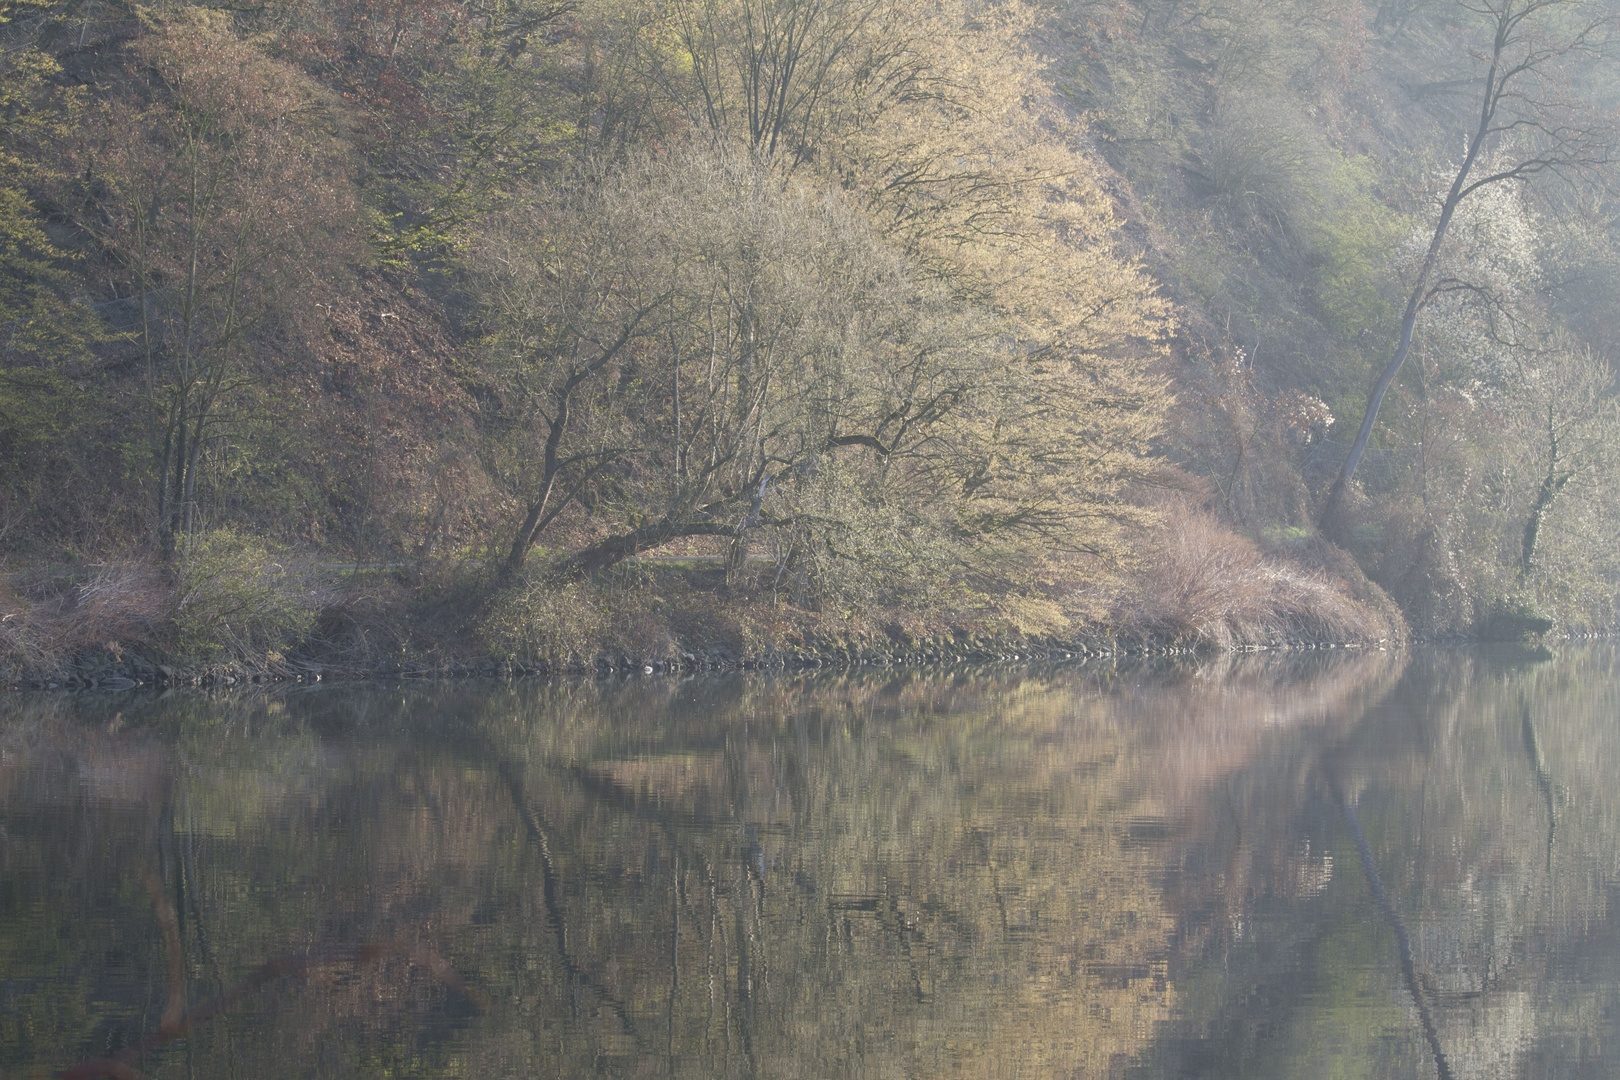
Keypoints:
pixel 881 305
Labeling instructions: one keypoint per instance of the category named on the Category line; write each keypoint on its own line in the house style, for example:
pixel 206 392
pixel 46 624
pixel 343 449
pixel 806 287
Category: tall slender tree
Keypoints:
pixel 219 197
pixel 1529 123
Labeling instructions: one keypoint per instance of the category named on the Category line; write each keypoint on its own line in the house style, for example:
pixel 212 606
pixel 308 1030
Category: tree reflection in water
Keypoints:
pixel 1077 872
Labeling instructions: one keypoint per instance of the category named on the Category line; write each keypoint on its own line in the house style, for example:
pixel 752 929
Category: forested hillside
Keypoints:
pixel 521 328
pixel 1341 195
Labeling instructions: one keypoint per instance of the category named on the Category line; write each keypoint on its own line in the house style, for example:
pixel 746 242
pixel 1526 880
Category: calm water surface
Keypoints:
pixel 1344 865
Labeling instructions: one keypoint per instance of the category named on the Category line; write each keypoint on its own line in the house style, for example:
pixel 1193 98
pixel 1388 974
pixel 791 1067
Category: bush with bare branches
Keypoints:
pixel 45 620
pixel 1203 584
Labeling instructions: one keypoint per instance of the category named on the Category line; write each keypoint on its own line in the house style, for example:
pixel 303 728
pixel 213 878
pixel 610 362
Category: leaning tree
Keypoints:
pixel 1532 120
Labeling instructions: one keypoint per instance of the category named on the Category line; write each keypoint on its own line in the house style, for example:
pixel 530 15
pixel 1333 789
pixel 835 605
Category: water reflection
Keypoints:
pixel 1480 786
pixel 1148 871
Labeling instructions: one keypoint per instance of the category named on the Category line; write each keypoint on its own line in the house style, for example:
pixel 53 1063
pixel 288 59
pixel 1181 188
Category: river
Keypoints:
pixel 1330 864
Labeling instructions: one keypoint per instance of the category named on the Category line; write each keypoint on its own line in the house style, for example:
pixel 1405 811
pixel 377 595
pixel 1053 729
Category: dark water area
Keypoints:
pixel 1330 865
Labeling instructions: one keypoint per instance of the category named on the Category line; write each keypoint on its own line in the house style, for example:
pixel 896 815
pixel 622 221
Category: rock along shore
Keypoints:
pixel 106 672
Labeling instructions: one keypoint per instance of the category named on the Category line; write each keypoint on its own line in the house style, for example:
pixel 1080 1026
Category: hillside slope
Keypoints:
pixel 914 318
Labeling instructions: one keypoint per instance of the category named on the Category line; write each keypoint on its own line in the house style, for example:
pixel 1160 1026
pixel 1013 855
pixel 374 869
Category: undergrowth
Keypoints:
pixel 242 596
pixel 231 596
pixel 1203 584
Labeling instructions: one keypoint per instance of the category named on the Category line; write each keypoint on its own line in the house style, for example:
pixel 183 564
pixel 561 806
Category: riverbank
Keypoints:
pixel 117 630
pixel 242 613
pixel 104 671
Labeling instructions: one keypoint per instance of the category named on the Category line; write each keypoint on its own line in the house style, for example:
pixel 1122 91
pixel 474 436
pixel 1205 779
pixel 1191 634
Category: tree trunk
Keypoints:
pixel 1550 487
pixel 527 533
pixel 1327 520
pixel 1496 84
pixel 615 549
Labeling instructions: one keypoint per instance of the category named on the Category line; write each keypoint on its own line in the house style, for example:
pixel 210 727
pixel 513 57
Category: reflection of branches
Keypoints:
pixel 121 1066
pixel 551 893
pixel 904 931
pixel 189 884
pixel 751 958
pixel 674 957
pixel 746 959
pixel 1543 779
pixel 1402 941
pixel 173 954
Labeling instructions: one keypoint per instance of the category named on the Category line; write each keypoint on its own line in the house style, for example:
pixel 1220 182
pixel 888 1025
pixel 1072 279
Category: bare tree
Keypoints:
pixel 1529 123
pixel 219 198
pixel 1570 419
pixel 569 296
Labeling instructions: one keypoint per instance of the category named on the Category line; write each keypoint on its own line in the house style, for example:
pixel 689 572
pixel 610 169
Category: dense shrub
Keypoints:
pixel 241 595
pixel 1203 584
pixel 531 618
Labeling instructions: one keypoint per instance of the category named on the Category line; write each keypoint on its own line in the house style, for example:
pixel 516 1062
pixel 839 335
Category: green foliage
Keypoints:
pixel 1351 240
pixel 243 596
pixel 45 337
pixel 458 106
pixel 46 333
pixel 1515 618
pixel 42 325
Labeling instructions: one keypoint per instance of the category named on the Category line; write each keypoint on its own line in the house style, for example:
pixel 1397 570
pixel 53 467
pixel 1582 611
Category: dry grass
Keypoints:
pixel 46 620
pixel 1198 584
pixel 1203 584
pixel 230 597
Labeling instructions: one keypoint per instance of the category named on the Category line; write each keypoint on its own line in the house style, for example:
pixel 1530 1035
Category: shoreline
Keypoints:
pixel 131 673
pixel 124 629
